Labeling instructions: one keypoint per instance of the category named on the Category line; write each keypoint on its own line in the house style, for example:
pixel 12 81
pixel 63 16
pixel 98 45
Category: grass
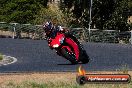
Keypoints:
pixel 41 85
pixel 123 69
pixel 65 85
pixel 55 80
pixel 1 57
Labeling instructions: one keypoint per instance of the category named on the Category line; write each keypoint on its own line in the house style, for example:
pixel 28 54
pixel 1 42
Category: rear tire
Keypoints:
pixel 68 56
pixel 84 58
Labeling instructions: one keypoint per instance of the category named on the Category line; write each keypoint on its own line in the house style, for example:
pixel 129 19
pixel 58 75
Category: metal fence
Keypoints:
pixel 29 31
pixel 95 35
pixel 16 30
pixel 104 36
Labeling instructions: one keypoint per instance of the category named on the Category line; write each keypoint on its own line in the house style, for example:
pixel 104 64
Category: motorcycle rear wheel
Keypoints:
pixel 84 57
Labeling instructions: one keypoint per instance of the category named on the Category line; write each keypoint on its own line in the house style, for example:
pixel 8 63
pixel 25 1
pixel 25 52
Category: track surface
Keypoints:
pixel 35 55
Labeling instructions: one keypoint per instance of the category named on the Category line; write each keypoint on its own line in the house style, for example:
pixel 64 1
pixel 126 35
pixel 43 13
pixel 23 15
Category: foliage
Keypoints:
pixel 77 10
pixel 118 20
pixel 21 11
pixel 130 5
pixel 102 11
pixel 64 85
pixel 1 57
pixel 106 14
pixel 51 13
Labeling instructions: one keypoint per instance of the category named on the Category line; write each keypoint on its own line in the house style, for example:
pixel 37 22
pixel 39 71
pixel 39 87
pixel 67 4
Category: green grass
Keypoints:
pixel 123 69
pixel 65 85
pixel 1 57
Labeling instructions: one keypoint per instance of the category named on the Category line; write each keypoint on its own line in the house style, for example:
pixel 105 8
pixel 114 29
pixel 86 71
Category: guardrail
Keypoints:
pixel 16 30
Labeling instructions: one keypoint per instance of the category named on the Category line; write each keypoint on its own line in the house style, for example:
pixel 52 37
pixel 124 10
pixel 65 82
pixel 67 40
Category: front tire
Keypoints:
pixel 68 56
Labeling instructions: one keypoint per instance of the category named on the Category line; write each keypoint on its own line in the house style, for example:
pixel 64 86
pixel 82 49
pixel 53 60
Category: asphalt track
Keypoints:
pixel 35 56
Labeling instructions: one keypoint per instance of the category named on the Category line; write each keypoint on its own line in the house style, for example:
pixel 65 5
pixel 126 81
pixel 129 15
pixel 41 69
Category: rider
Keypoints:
pixel 51 30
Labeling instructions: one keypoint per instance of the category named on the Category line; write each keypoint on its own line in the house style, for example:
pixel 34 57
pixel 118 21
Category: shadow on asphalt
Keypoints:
pixel 69 64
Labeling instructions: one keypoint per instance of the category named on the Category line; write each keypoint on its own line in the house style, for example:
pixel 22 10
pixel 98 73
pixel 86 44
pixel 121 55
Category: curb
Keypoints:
pixel 6 58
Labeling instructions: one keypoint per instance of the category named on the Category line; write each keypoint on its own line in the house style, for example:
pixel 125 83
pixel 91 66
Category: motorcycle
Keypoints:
pixel 69 47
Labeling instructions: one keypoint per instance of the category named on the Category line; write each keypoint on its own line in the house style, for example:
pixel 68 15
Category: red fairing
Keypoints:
pixel 56 39
pixel 74 45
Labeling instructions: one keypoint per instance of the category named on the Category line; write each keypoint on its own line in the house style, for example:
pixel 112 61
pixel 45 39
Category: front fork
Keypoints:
pixel 58 53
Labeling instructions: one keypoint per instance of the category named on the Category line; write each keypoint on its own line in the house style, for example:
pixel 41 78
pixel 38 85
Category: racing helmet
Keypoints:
pixel 47 27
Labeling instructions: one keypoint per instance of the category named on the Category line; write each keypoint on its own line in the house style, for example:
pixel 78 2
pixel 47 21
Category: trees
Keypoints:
pixel 118 20
pixel 102 11
pixel 21 11
pixel 76 10
pixel 51 13
pixel 106 14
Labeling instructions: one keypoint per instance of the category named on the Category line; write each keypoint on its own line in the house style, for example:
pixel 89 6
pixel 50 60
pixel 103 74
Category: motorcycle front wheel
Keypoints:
pixel 69 56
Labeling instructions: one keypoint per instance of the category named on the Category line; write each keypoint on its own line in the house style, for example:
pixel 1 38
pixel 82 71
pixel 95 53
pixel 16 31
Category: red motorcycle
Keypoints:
pixel 68 46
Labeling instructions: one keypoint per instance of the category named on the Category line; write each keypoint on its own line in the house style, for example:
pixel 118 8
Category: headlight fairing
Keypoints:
pixel 56 46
